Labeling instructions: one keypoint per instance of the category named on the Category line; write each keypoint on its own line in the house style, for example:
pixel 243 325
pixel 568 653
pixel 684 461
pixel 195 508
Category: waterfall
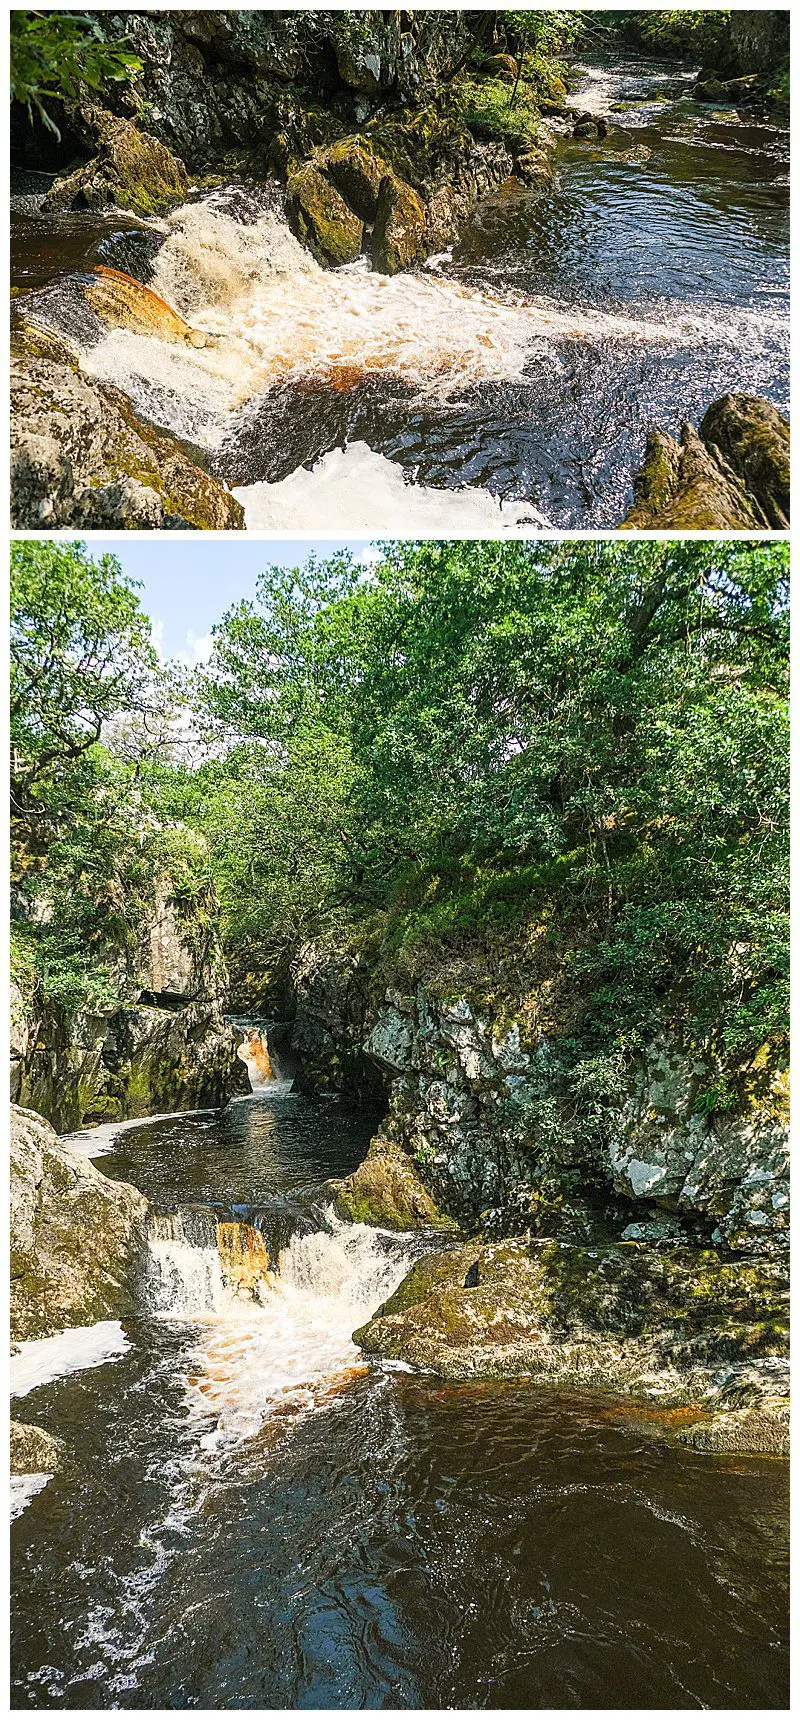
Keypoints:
pixel 254 1052
pixel 273 1336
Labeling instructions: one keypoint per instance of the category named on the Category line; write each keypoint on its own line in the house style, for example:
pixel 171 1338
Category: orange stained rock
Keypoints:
pixel 244 1257
pixel 124 302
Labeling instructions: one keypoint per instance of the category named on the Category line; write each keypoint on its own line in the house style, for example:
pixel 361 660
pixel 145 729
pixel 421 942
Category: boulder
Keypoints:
pixel 81 457
pixel 131 170
pixel 78 1240
pixel 386 1190
pixel 590 126
pixel 500 66
pixel 34 1452
pixel 399 234
pixel 654 1324
pixel 318 215
pixel 731 475
pixel 357 173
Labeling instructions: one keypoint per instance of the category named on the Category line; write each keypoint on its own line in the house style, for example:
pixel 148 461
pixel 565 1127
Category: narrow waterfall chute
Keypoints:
pixel 254 1052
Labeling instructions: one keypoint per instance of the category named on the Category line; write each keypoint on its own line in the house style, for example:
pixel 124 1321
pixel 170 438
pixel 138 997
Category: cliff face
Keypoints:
pixel 166 1049
pixel 626 1239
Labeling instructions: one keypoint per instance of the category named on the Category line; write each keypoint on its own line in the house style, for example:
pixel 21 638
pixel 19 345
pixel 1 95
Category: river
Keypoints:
pixel 506 386
pixel 252 1518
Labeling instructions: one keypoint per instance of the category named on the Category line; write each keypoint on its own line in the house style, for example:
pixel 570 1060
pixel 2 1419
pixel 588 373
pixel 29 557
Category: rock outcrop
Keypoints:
pixel 387 1190
pixel 33 1451
pixel 78 1240
pixel 731 475
pixel 81 458
pixel 666 1328
pixel 130 169
pixel 132 1062
pixel 645 1253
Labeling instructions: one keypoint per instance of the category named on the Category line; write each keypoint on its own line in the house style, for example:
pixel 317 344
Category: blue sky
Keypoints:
pixel 188 584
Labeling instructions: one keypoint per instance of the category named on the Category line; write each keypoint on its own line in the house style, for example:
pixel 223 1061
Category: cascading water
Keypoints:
pixel 528 363
pixel 249 1517
pixel 276 1336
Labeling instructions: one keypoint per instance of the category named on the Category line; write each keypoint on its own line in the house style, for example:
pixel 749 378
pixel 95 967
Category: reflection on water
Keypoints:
pixel 224 1536
pixel 529 362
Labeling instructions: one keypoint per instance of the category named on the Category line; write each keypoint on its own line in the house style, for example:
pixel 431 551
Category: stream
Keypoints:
pixel 509 384
pixel 251 1517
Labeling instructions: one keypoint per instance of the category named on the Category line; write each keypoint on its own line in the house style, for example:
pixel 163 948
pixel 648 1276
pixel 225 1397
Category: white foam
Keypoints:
pixel 93 1143
pixel 24 1488
pixel 40 1360
pixel 280 319
pixel 355 489
pixel 293 1349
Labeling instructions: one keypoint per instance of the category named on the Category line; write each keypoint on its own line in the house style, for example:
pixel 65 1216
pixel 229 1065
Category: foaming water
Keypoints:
pixel 350 488
pixel 274 1342
pixel 527 362
pixel 248 1517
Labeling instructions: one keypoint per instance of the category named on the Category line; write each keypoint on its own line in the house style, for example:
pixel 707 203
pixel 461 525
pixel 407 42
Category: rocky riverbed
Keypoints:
pixel 401 283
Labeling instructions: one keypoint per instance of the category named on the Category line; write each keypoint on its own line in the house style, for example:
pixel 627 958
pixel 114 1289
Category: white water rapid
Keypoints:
pixel 285 1346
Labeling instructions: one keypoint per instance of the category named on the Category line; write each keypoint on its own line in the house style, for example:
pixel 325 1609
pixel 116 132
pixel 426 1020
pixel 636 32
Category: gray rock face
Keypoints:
pixel 474 1104
pixel 78 1240
pixel 131 1063
pixel 328 1032
pixel 81 458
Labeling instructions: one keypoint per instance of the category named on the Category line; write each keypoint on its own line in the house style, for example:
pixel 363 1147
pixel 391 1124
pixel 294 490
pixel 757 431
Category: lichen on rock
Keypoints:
pixel 78 1240
pixel 387 1190
pixel 732 474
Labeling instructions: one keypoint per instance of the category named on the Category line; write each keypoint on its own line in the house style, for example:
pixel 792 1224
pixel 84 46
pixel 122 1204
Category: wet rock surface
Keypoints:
pixel 130 169
pixel 33 1451
pixel 668 1327
pixel 81 458
pixel 387 1191
pixel 77 1240
pixel 731 475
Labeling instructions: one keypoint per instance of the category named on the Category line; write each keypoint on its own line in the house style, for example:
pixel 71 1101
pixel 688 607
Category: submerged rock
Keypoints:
pixel 34 1452
pixel 131 169
pixel 78 1240
pixel 676 1326
pixel 318 214
pixel 81 457
pixel 386 1190
pixel 731 475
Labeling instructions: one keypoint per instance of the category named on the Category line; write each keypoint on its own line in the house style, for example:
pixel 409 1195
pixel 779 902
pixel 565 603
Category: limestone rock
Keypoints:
pixel 318 214
pixel 77 1239
pixel 81 458
pixel 386 1190
pixel 33 1451
pixel 732 475
pixel 131 169
pixel 399 234
pixel 653 1324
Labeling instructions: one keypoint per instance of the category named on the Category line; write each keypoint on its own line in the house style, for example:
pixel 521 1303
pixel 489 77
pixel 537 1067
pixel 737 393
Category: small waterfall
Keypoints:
pixel 185 1278
pixel 274 1336
pixel 254 1052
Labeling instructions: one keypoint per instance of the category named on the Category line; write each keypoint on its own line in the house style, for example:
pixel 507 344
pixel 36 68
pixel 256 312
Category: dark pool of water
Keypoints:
pixel 680 217
pixel 407 1544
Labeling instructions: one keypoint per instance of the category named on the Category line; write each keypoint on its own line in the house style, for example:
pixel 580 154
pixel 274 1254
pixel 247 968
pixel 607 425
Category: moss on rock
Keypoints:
pixel 387 1191
pixel 130 169
pixel 319 215
pixel 399 234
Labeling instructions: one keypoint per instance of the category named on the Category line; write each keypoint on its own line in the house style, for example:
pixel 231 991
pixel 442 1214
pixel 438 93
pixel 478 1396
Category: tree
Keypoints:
pixel 54 53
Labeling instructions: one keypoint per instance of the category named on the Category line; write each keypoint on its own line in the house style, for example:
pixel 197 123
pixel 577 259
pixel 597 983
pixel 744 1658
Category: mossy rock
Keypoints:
pixel 357 173
pixel 32 1451
pixel 386 1191
pixel 399 233
pixel 319 216
pixel 649 1323
pixel 131 170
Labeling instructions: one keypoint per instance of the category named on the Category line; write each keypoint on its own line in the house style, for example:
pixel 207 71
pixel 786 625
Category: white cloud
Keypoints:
pixel 199 648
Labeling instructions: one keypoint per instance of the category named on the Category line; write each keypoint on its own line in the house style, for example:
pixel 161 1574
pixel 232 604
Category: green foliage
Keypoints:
pixel 590 736
pixel 54 53
pixel 682 32
pixel 488 112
